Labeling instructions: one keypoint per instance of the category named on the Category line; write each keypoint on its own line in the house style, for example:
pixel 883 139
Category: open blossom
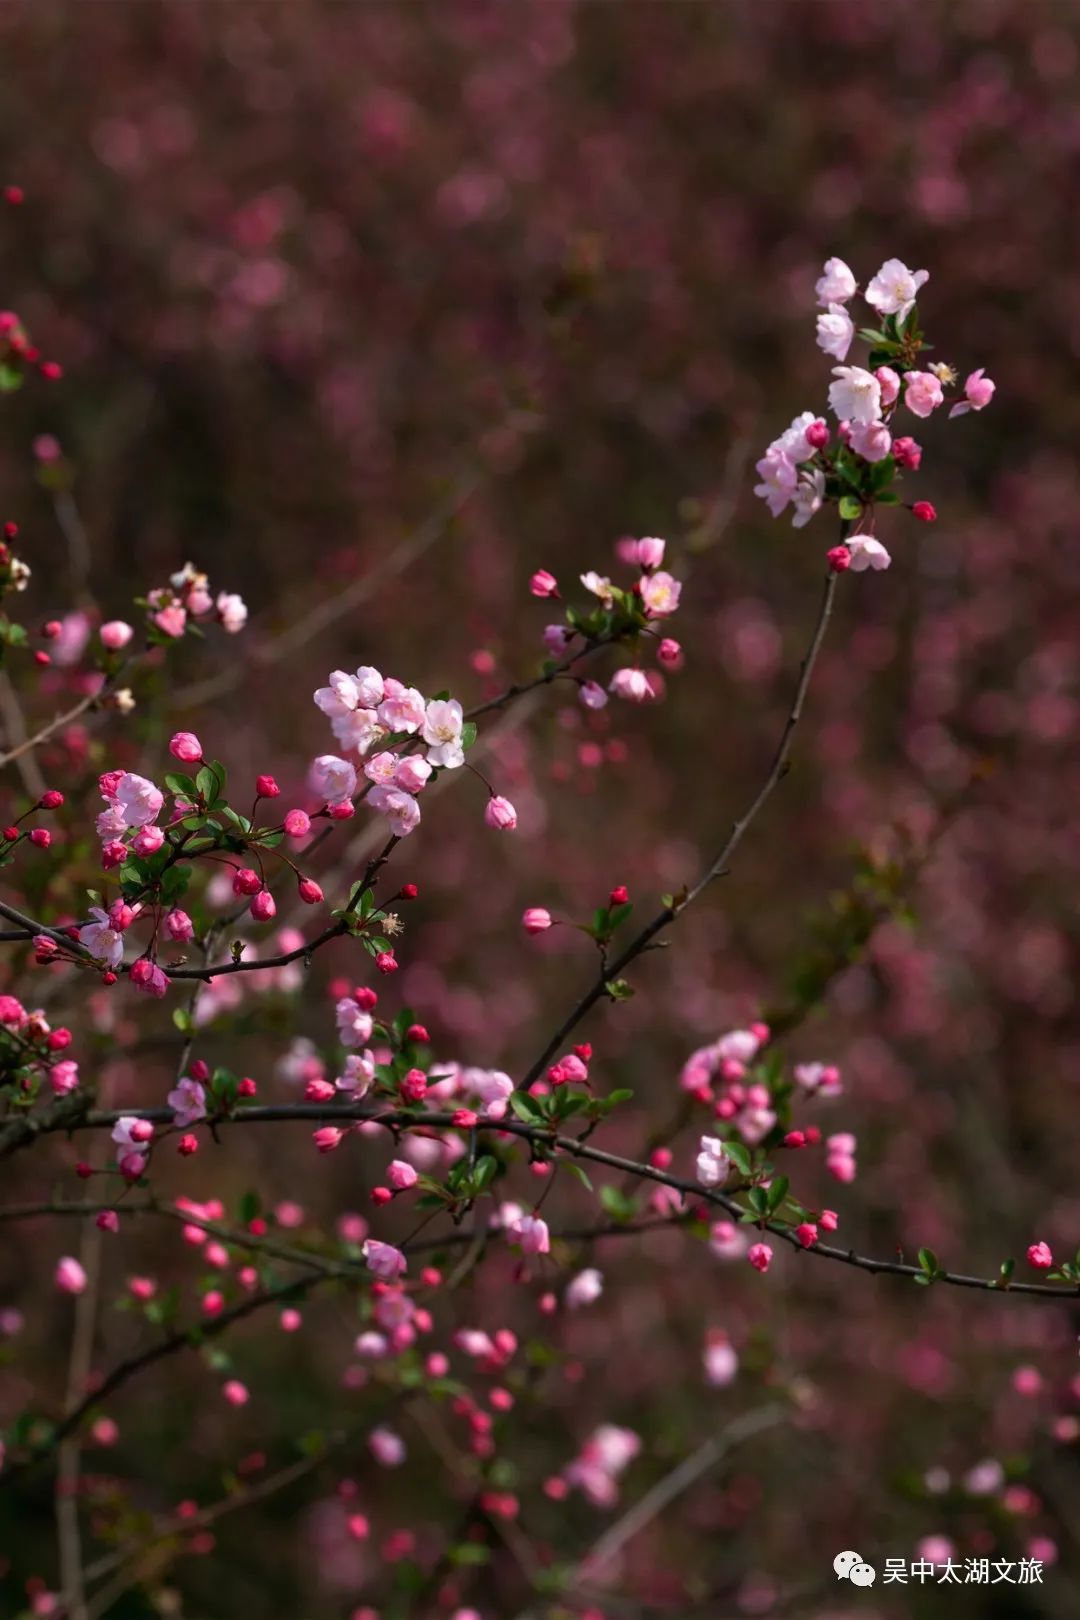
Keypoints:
pixel 808 497
pixel 399 808
pixel 232 611
pixel 599 585
pixel 855 396
pixel 187 1101
pixel 148 977
pixel 632 684
pixel 64 1077
pixel 333 778
pixel 402 707
pixel 836 284
pixel 137 800
pixel 132 1133
pixel 922 392
pixel 101 939
pixel 354 1023
pixel 441 731
pixel 895 288
pixel 866 552
pixel 871 440
pixel 412 773
pixel 532 1233
pixel 835 331
pixel 778 480
pixel 585 1288
pixel 978 392
pixel 660 594
pixel 358 1075
pixel 384 1260
pixel 713 1165
pixel 603 1457
pixel 591 695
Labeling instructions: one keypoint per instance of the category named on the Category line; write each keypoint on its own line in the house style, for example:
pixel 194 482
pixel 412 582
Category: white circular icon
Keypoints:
pixel 861 1574
pixel 845 1562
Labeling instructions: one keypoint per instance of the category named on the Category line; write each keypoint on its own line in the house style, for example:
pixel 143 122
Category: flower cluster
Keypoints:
pixel 803 468
pixel 188 600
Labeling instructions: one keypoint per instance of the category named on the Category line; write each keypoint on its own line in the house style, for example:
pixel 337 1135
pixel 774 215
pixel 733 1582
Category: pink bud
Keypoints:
pixel 414 1086
pixel 179 926
pixel 543 583
pixel 924 511
pixel 70 1276
pixel 838 559
pixel 890 384
pixel 185 746
pixel 263 906
pixel 266 787
pixel 51 799
pixel 41 837
pixel 386 962
pixel 907 453
pixel 1040 1256
pixel 108 1220
pixel 536 920
pixel 310 892
pixel 148 840
pixel 500 814
pixel 817 434
pixel 235 1393
pixel 669 652
pixel 650 552
pixel 759 1256
pixel 115 634
pixel 327 1138
pixel 297 823
pixel 807 1234
pixel 401 1175
pixel 245 881
pixel 828 1220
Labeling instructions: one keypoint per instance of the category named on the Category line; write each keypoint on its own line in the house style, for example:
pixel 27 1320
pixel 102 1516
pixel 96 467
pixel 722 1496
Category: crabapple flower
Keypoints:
pixel 721 1361
pixel 978 392
pixel 808 498
pixel 187 1101
pixel 412 773
pixel 818 1079
pixel 402 708
pixel 132 1133
pixel 778 480
pixel 599 585
pixel 137 800
pixel 115 634
pixel 895 288
pixel 585 1288
pixel 536 920
pixel 532 1233
pixel 836 284
pixel 148 840
pixel 760 1256
pixel 185 746
pixel 866 552
pixel 855 396
pixel 907 453
pixel 1040 1256
pixel 441 731
pixel 64 1077
pixel 179 926
pixel 713 1165
pixel 835 331
pixel 387 1447
pixel 632 684
pixel 500 814
pixel 660 594
pixel 591 695
pixel 401 1175
pixel 69 1275
pixel 358 1075
pixel 232 611
pixel 399 808
pixel 148 977
pixel 354 1023
pixel 922 392
pixel 604 1456
pixel 544 583
pixel 890 384
pixel 332 778
pixel 101 939
pixel 872 440
pixel 649 552
pixel 384 1260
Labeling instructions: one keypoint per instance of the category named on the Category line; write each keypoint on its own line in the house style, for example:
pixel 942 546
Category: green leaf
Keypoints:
pixel 577 1170
pixel 850 508
pixel 526 1108
pixel 614 1202
pixel 468 734
pixel 619 990
pixel 777 1193
pixel 484 1172
pixel 739 1156
pixel 177 783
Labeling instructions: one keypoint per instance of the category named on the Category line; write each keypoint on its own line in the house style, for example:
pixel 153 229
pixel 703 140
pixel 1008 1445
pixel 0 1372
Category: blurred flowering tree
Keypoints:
pixel 382 317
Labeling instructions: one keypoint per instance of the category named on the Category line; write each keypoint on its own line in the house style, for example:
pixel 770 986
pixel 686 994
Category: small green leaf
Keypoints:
pixel 850 508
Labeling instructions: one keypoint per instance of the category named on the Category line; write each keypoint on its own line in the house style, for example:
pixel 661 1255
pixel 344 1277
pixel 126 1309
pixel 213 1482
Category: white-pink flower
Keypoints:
pixel 922 392
pixel 871 440
pixel 584 1289
pixel 713 1165
pixel 70 1275
pixel 232 611
pixel 836 284
pixel 332 778
pixel 103 941
pixel 402 708
pixel 358 1075
pixel 384 1260
pixel 835 331
pixel 721 1361
pixel 866 552
pixel 187 1101
pixel 855 396
pixel 632 684
pixel 532 1233
pixel 138 800
pixel 809 495
pixel 778 479
pixel 387 1447
pixel 894 289
pixel 979 390
pixel 399 808
pixel 443 721
pixel 354 1025
pixel 660 594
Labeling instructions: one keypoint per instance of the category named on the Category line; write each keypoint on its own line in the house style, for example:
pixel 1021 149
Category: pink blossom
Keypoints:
pixel 890 384
pixel 69 1275
pixel 500 814
pixel 354 1023
pixel 358 1075
pixel 584 1289
pixel 536 920
pixel 179 926
pixel 132 1132
pixel 64 1077
pixel 171 620
pixel 760 1256
pixel 649 552
pixel 592 695
pixel 778 480
pixel 1040 1256
pixel 443 721
pixel 148 977
pixel 713 1165
pixel 907 453
pixel 387 1447
pixel 137 799
pixel 532 1234
pixel 894 289
pixel 413 773
pixel 399 808
pixel 185 746
pixel 835 331
pixel 866 552
pixel 922 392
pixel 660 594
pixel 232 611
pixel 187 1101
pixel 148 840
pixel 721 1361
pixel 400 1175
pixel 836 284
pixel 632 684
pixel 808 498
pixel 978 392
pixel 297 823
pixel 544 584
pixel 101 939
pixel 384 1260
pixel 402 708
pixel 855 396
pixel 115 634
pixel 334 779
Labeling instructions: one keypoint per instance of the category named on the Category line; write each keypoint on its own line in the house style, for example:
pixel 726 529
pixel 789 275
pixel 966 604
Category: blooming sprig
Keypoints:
pixel 803 468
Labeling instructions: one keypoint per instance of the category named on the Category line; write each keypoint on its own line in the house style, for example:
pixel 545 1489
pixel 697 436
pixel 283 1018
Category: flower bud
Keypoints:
pixel 263 906
pixel 310 892
pixel 186 747
pixel 266 787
